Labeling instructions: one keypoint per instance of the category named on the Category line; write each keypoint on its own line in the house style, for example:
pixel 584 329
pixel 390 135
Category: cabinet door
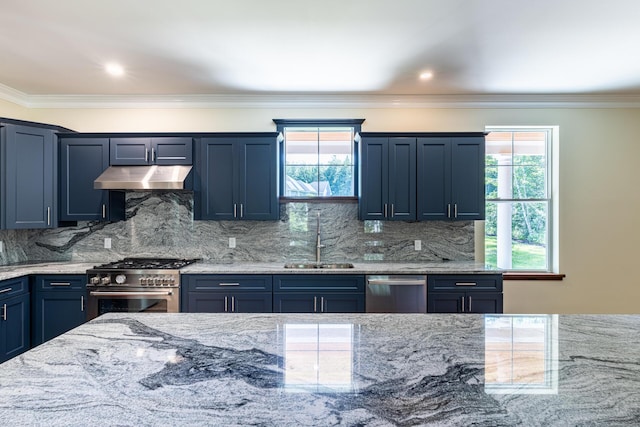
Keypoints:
pixel 434 178
pixel 207 302
pixel 216 172
pixel 296 303
pixel 130 151
pixel 56 312
pixel 342 303
pixel 402 179
pixel 82 160
pixel 258 178
pixel 484 302
pixel 247 302
pixel 30 186
pixel 14 326
pixel 444 302
pixel 374 178
pixel 172 151
pixel 467 178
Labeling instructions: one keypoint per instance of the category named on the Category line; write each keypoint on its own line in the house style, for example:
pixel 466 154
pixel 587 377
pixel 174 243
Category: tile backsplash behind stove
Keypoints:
pixel 161 224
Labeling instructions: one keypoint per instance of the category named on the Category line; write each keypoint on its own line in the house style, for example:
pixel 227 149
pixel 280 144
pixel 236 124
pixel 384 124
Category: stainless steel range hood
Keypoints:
pixel 143 178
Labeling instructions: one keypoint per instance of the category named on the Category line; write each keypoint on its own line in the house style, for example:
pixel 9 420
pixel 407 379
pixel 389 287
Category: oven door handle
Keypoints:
pixel 124 294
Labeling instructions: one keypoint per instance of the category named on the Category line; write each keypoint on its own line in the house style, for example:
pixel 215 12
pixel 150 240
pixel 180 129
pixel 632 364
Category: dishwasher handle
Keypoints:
pixel 395 282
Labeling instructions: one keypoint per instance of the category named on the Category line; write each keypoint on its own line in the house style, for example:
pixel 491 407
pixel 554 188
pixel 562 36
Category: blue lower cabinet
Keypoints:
pixel 226 293
pixel 59 304
pixel 318 302
pixel 460 293
pixel 318 293
pixel 14 326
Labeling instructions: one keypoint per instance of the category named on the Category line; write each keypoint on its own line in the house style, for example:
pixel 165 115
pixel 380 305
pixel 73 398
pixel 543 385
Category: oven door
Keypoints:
pixel 132 300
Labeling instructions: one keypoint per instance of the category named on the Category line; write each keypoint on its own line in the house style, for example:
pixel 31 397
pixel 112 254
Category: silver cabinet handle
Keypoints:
pixel 448 210
pixel 462 298
pixel 322 306
pixel 469 304
pixel 153 154
pixel 392 210
pixel 6 290
pixel 235 210
pixel 48 215
pixel 146 155
pixel 455 210
pixel 226 304
pixel 385 210
pixel 315 304
pixel 104 211
pixel 228 284
pixel 241 210
pixel 60 284
pixel 81 302
pixel 233 304
pixel 4 312
pixel 466 283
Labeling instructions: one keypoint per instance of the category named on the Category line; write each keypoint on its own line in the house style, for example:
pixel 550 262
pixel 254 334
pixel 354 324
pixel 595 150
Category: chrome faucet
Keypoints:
pixel 318 244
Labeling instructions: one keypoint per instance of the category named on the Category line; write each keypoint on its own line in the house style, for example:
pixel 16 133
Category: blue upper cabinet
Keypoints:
pixel 82 160
pixel 237 177
pixel 151 151
pixel 28 164
pixel 451 178
pixel 388 178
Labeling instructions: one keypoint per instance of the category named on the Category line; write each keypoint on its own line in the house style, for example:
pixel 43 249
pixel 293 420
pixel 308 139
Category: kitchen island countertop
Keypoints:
pixel 364 369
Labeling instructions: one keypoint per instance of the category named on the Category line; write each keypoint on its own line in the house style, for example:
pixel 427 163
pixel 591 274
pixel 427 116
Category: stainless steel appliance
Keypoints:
pixel 396 294
pixel 135 285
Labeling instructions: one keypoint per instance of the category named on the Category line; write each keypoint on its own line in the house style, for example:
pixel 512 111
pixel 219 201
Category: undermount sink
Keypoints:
pixel 322 265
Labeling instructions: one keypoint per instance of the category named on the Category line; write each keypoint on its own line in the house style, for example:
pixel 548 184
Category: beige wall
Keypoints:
pixel 599 198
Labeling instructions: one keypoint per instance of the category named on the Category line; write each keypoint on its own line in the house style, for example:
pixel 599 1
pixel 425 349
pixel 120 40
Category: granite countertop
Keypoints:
pixel 243 267
pixel 318 370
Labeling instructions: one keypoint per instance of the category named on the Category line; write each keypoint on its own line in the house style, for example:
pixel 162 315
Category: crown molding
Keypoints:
pixel 317 101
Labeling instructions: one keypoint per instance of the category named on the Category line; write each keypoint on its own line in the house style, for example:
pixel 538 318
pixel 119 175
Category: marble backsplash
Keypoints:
pixel 160 224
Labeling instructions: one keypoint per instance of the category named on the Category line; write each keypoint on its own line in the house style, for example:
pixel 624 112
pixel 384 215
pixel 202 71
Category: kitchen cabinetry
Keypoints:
pixel 388 178
pixel 82 160
pixel 14 318
pixel 59 303
pixel 470 293
pixel 28 165
pixel 226 293
pixel 167 150
pixel 451 178
pixel 236 177
pixel 314 293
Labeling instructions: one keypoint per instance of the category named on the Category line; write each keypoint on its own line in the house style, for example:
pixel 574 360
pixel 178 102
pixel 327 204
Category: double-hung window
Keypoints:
pixel 318 158
pixel 519 211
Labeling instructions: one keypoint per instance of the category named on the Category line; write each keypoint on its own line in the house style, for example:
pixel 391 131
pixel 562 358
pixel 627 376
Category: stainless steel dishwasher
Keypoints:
pixel 396 294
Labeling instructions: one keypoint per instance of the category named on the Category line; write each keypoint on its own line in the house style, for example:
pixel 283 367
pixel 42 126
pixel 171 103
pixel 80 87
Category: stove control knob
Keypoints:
pixel 120 279
pixel 95 280
pixel 105 280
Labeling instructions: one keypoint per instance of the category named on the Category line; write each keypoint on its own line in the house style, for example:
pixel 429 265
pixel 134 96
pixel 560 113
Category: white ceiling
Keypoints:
pixel 56 49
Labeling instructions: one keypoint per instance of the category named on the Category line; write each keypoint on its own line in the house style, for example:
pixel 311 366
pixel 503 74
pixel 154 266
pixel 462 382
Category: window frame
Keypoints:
pixel 281 124
pixel 552 218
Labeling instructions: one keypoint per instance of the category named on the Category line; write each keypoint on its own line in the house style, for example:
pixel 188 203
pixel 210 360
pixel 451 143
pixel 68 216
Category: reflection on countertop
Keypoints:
pixel 330 369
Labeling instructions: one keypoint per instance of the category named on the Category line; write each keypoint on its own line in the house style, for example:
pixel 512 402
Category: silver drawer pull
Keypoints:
pixel 60 284
pixel 466 283
pixel 5 290
pixel 229 284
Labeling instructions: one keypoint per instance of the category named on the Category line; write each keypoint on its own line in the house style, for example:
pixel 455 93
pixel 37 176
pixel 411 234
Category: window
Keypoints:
pixel 318 158
pixel 519 211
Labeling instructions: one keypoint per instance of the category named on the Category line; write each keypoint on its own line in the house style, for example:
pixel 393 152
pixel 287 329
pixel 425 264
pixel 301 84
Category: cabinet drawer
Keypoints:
pixel 60 282
pixel 224 282
pixel 464 282
pixel 317 282
pixel 13 287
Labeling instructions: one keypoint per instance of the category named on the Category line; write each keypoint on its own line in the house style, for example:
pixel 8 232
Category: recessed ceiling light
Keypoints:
pixel 114 69
pixel 426 75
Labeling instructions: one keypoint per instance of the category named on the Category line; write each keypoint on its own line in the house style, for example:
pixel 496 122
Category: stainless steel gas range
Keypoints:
pixel 135 285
